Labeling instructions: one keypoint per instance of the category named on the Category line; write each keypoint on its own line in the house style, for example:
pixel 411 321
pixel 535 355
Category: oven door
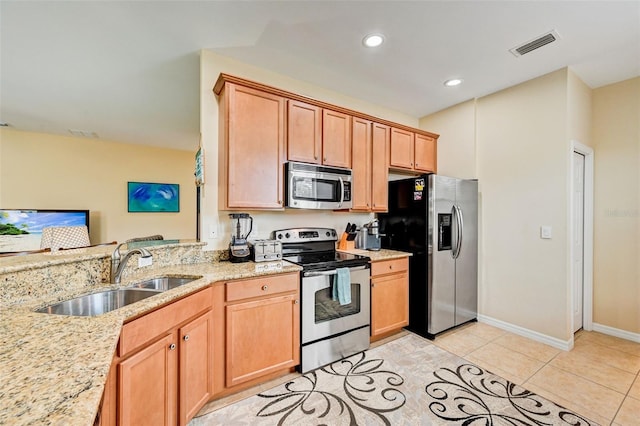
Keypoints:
pixel 322 316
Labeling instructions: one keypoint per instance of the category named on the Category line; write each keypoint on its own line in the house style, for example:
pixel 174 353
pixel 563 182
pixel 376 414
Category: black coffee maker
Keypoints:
pixel 241 226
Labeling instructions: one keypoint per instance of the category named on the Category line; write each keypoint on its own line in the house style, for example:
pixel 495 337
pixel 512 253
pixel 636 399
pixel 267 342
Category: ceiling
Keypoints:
pixel 128 71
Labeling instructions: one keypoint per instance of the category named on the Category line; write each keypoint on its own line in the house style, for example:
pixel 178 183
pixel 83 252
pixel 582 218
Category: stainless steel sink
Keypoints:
pixel 98 303
pixel 164 283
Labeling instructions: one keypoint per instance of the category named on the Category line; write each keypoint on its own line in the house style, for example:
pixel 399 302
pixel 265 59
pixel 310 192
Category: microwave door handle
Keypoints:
pixel 341 192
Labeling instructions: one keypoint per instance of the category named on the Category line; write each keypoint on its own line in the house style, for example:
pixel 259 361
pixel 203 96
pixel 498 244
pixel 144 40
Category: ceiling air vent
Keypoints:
pixel 536 43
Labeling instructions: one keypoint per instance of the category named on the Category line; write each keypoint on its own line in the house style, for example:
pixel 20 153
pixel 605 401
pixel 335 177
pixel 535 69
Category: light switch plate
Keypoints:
pixel 145 261
pixel 545 232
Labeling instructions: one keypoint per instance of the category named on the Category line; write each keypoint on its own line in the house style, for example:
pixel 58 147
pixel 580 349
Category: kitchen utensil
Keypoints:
pixel 241 226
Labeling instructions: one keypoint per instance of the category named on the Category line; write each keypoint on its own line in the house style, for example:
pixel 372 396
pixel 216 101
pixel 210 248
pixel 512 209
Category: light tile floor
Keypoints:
pixel 599 378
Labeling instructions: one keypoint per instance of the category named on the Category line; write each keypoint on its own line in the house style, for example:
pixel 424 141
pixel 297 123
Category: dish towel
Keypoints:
pixel 342 286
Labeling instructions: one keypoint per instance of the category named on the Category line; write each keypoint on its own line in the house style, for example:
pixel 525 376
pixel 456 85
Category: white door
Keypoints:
pixel 578 240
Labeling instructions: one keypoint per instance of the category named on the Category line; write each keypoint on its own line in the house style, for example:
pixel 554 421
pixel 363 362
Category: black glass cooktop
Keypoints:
pixel 326 260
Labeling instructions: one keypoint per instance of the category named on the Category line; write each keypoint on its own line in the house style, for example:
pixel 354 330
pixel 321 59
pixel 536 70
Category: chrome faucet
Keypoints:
pixel 117 265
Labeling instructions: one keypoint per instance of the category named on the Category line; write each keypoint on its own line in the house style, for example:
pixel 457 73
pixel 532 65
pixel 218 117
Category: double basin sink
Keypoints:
pixel 110 300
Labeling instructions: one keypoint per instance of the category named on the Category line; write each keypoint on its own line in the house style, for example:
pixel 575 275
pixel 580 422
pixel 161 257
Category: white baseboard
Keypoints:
pixel 616 332
pixel 530 334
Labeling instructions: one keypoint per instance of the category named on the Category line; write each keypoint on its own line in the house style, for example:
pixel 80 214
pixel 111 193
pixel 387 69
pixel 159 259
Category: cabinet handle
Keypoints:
pixel 186 337
pixel 172 346
pixel 390 266
pixel 315 157
pixel 264 287
pixel 324 159
pixel 295 302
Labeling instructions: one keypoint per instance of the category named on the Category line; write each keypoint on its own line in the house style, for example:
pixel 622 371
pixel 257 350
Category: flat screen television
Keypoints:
pixel 21 230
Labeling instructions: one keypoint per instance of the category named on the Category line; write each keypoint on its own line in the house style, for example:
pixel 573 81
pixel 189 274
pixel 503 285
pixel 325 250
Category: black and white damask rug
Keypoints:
pixel 408 381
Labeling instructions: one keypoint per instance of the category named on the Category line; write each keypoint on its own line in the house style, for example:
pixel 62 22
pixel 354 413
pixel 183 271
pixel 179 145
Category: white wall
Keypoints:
pixel 457 142
pixel 211 65
pixel 522 168
pixel 616 141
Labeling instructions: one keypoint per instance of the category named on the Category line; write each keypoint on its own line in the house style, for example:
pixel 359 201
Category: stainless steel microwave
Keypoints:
pixel 310 186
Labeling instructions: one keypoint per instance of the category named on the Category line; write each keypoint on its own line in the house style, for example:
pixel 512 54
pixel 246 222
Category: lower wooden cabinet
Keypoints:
pixel 147 385
pixel 163 371
pixel 262 327
pixel 196 366
pixel 170 362
pixel 389 296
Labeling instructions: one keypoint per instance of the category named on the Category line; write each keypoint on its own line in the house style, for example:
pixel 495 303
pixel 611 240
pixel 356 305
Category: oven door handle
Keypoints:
pixel 331 272
pixel 341 192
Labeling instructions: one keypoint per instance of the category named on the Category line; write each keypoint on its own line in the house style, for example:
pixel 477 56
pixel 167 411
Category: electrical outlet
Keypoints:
pixel 213 231
pixel 145 261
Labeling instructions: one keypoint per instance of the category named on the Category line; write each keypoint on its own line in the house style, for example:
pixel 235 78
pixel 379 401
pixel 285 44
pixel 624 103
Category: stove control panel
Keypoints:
pixel 298 235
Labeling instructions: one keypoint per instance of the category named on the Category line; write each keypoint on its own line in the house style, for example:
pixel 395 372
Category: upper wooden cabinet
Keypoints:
pixel 412 151
pixel 425 153
pixel 401 148
pixel 251 149
pixel 336 139
pixel 380 138
pixel 304 132
pixel 317 135
pixel 261 127
pixel 370 149
pixel 361 169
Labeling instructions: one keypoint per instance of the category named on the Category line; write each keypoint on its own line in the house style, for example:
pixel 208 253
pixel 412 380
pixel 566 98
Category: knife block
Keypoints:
pixel 343 244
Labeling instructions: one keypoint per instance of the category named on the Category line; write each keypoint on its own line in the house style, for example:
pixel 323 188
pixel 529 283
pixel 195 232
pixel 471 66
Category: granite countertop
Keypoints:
pixel 53 368
pixel 379 255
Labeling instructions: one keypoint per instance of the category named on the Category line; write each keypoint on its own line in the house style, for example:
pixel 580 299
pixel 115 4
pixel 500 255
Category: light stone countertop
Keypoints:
pixel 379 255
pixel 53 368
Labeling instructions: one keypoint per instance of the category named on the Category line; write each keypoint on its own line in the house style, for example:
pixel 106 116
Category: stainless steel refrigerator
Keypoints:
pixel 436 219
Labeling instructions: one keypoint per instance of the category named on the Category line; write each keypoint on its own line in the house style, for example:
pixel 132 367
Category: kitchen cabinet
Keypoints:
pixel 304 132
pixel 389 296
pixel 401 153
pixel 317 135
pixel 425 154
pixel 336 139
pixel 251 149
pixel 164 365
pixel 380 138
pixel 147 385
pixel 412 151
pixel 370 149
pixel 262 327
pixel 361 170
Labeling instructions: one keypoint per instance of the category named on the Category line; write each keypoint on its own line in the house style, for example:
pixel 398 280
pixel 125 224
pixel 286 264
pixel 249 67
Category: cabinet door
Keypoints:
pixel 380 168
pixel 389 303
pixel 401 148
pixel 147 384
pixel 361 160
pixel 273 326
pixel 304 132
pixel 425 153
pixel 196 366
pixel 336 139
pixel 255 149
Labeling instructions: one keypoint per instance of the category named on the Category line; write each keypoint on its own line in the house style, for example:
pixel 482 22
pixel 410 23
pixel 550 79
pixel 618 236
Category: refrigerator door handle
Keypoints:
pixel 454 244
pixel 460 223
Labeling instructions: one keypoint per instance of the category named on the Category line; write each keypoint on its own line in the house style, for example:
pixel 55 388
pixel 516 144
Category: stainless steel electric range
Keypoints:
pixel 329 330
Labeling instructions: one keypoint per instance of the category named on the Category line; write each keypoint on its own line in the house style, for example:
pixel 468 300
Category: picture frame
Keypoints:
pixel 151 197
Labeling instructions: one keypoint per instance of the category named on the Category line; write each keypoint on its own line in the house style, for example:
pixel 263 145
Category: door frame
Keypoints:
pixel 587 264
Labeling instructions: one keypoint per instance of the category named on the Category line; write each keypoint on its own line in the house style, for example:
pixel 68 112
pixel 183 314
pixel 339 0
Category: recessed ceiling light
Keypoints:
pixel 373 40
pixel 453 82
